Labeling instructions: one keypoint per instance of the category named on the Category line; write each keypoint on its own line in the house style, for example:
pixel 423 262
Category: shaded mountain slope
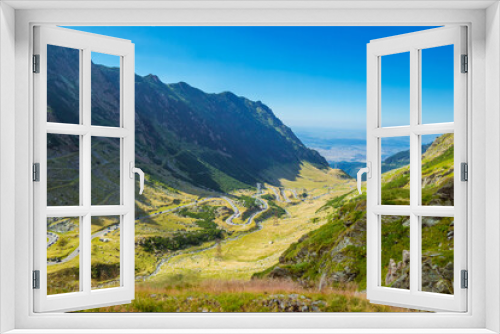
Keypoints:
pixel 183 135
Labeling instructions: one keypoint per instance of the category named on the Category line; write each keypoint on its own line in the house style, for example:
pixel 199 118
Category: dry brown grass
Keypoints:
pixel 232 286
pixel 251 286
pixel 243 296
pixel 261 286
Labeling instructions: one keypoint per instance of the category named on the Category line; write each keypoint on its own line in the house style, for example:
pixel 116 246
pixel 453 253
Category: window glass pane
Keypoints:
pixel 105 89
pixel 395 251
pixel 105 252
pixel 437 254
pixel 437 84
pixel 63 170
pixel 395 168
pixel 438 170
pixel 63 84
pixel 63 260
pixel 105 171
pixel 395 89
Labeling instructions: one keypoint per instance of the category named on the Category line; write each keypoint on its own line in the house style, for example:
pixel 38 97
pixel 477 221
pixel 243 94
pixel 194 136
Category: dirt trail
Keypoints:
pixel 163 261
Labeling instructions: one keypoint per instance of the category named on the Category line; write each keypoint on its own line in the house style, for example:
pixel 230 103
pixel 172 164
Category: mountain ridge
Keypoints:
pixel 185 137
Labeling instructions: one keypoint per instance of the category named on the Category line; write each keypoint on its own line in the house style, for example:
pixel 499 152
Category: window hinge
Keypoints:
pixel 465 279
pixel 36 63
pixel 464 171
pixel 36 172
pixel 465 64
pixel 36 279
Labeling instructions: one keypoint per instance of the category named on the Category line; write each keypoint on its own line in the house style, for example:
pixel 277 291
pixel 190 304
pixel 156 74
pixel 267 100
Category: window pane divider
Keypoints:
pixel 77 129
pixel 109 210
pixel 95 210
pixel 421 129
pixel 85 182
pixel 396 131
pixel 104 131
pixel 67 211
pixel 434 211
pixel 430 129
pixel 419 210
pixel 392 210
pixel 415 182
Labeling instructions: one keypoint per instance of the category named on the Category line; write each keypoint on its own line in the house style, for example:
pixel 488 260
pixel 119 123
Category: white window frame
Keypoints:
pixel 85 43
pixel 483 101
pixel 414 43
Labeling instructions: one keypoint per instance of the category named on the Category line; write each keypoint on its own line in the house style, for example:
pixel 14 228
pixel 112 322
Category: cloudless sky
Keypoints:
pixel 309 76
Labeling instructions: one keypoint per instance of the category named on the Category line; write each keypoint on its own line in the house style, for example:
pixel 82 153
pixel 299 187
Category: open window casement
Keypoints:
pixel 83 172
pixel 411 277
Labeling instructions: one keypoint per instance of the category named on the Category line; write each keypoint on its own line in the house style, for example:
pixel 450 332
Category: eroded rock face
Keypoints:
pixel 434 278
pixel 392 273
pixel 278 272
pixel 64 226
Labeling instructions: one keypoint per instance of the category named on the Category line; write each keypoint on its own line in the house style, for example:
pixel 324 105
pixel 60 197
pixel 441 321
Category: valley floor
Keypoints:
pixel 217 275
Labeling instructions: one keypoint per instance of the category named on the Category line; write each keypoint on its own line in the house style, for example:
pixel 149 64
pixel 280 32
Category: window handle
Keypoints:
pixel 367 170
pixel 135 170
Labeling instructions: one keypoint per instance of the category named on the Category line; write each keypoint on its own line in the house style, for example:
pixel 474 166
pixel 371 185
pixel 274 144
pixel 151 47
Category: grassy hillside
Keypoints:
pixel 335 254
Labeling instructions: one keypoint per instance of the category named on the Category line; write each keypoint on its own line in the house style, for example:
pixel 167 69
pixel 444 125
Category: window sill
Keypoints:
pixel 250 331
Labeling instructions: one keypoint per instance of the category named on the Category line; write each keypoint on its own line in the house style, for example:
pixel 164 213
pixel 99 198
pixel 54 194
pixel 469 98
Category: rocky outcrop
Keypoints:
pixel 434 278
pixel 63 226
pixel 398 275
pixel 279 273
pixel 292 303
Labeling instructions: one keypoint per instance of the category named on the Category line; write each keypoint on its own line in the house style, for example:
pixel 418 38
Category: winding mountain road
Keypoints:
pixel 52 238
pixel 294 192
pixel 282 190
pixel 276 194
pixel 74 253
pixel 236 211
pixel 179 207
pixel 229 221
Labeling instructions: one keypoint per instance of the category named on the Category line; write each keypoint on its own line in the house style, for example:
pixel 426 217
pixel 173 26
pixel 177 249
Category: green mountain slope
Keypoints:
pixel 399 159
pixel 336 252
pixel 184 136
pixel 394 161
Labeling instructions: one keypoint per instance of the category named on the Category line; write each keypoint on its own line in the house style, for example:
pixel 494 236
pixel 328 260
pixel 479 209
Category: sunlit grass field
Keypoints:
pixel 245 249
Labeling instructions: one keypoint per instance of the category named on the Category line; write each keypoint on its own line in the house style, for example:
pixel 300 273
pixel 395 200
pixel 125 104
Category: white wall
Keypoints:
pixel 492 166
pixel 7 164
pixel 131 17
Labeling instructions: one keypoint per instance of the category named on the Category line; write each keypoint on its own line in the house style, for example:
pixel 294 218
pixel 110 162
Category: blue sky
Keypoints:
pixel 312 77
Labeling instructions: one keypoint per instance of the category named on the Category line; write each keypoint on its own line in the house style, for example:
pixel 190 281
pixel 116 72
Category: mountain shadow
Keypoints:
pixel 184 136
